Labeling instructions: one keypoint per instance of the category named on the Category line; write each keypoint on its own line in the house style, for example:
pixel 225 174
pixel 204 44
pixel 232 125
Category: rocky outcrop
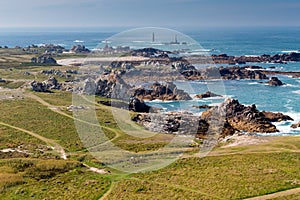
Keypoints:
pixel 45 86
pixel 238 73
pixel 52 48
pixel 138 105
pixel 109 86
pixel 172 123
pixel 55 72
pixel 226 73
pixel 39 86
pixel 274 81
pixel 297 125
pixel 121 65
pixel 277 58
pixel 227 119
pixel 207 94
pixel 166 91
pixel 134 104
pixel 243 118
pixel 79 49
pixel 276 117
pixel 44 59
pixel 89 86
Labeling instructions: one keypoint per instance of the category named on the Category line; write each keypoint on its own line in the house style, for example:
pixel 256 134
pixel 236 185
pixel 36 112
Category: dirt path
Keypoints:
pixel 55 146
pixel 277 194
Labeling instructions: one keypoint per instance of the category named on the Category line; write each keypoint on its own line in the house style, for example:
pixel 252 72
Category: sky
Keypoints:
pixel 141 13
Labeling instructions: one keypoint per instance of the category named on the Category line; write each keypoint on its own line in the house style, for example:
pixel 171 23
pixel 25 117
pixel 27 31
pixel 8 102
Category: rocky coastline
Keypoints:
pixel 232 116
pixel 119 78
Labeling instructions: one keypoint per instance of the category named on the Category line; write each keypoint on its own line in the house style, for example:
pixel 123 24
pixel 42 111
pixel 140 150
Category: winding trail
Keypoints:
pixel 55 146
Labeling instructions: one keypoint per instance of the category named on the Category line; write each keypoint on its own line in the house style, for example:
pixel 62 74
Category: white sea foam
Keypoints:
pixel 289 85
pixel 251 55
pixel 290 51
pixel 254 83
pixel 78 41
pixel 284 127
pixel 296 92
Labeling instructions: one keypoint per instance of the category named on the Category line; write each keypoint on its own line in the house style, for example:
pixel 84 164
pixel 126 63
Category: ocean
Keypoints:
pixel 232 41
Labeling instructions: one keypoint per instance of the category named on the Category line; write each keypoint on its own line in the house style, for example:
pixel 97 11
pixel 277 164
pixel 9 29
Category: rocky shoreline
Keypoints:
pixel 119 78
pixel 232 116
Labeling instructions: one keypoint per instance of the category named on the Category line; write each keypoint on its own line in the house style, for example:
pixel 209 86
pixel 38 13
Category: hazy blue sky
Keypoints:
pixel 136 13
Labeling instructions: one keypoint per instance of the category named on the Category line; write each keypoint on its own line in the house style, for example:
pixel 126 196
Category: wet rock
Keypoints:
pixel 208 94
pixel 238 73
pixel 274 81
pixel 297 125
pixel 276 117
pixel 243 118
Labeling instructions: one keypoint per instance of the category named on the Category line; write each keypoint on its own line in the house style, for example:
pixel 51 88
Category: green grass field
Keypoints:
pixel 40 122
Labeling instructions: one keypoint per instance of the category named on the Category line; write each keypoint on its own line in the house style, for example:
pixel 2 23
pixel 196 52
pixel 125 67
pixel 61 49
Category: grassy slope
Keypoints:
pixel 224 177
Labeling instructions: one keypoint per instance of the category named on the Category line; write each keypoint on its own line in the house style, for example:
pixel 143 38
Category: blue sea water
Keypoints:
pixel 234 41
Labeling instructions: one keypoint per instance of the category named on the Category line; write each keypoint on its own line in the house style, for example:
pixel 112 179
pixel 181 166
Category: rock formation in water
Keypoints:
pixel 207 94
pixel 227 119
pixel 274 81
